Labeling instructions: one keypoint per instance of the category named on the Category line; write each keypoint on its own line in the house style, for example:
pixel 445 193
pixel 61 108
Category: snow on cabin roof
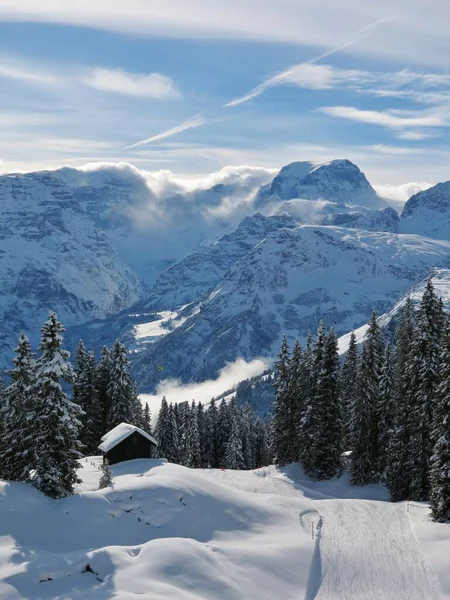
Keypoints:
pixel 120 433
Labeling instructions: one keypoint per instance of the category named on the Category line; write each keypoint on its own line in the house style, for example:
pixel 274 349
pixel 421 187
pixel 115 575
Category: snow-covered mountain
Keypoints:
pixel 428 212
pixel 207 264
pixel 338 181
pixel 53 256
pixel 288 283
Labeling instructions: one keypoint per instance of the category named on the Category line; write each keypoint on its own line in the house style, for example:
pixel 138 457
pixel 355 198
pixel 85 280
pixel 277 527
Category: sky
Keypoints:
pixel 193 86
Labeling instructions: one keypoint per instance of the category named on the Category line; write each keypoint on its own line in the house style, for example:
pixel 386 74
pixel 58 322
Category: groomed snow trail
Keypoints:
pixel 367 551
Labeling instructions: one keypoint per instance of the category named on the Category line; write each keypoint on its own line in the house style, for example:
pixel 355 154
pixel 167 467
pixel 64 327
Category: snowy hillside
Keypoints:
pixel 288 283
pixel 165 531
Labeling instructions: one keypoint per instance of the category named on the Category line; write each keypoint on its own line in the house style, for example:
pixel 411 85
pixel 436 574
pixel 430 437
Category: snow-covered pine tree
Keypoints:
pixel 162 431
pixel 80 359
pixel 325 458
pixel 223 432
pixel 4 410
pixel 106 479
pixel 209 435
pixel 233 451
pixel 246 417
pixel 361 464
pixel 263 454
pixel 192 439
pixel 201 432
pixel 309 426
pixel 147 425
pixel 440 460
pixel 398 471
pixel 102 382
pixel 57 418
pixel 173 452
pixel 182 416
pixel 297 397
pixel 88 398
pixel 121 390
pixel 348 386
pixel 424 373
pixel 306 383
pixel 19 456
pixel 386 411
pixel 284 432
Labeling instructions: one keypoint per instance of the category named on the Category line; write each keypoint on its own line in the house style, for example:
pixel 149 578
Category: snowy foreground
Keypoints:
pixel 169 532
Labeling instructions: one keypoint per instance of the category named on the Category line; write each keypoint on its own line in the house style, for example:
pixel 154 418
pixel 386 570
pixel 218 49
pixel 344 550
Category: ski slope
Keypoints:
pixel 165 531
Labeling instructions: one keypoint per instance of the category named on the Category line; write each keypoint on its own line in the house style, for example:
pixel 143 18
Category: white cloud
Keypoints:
pixel 391 119
pixel 152 85
pixel 415 135
pixel 24 74
pixel 191 123
pixel 418 33
pixel 401 193
pixel 397 150
pixel 229 377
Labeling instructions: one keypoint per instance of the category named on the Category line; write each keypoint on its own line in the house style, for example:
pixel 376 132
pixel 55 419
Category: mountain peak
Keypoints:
pixel 339 181
pixel 428 212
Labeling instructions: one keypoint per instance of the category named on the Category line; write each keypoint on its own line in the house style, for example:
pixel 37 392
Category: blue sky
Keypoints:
pixel 194 85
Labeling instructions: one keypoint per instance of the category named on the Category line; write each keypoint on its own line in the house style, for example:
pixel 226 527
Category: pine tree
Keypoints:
pixel 424 374
pixel 209 435
pixel 398 472
pixel 348 385
pixel 440 460
pixel 309 425
pixel 147 419
pixel 192 444
pixel 162 431
pixel 361 465
pixel 106 478
pixel 172 452
pixel 284 444
pixel 121 390
pixel 325 459
pixel 201 432
pixel 19 457
pixel 57 417
pixel 88 398
pixel 233 452
pixel 102 384
pixel 263 454
pixel 80 360
pixel 246 417
pixel 364 426
pixel 223 432
pixel 4 418
pixel 306 380
pixel 386 412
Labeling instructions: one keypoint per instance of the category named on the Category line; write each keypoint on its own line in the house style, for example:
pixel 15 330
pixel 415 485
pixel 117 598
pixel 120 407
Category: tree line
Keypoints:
pixel 43 431
pixel 387 404
pixel 226 435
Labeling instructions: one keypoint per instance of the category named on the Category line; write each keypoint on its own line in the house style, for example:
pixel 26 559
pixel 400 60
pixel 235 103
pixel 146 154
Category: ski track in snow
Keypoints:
pixel 364 549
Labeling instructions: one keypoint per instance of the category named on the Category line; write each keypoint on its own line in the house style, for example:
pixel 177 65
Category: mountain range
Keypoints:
pixel 193 279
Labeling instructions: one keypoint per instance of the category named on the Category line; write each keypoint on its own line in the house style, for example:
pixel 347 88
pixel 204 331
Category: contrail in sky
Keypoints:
pixel 191 123
pixel 354 38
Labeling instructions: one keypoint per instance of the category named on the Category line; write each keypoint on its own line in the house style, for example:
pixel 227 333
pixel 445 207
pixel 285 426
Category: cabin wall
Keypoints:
pixel 134 446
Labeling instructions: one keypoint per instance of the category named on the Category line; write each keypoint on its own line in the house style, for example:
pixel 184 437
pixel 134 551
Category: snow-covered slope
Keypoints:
pixel 338 181
pixel 288 283
pixel 165 531
pixel 428 212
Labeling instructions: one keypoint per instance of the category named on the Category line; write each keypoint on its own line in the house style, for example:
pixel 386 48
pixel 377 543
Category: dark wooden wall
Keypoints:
pixel 134 446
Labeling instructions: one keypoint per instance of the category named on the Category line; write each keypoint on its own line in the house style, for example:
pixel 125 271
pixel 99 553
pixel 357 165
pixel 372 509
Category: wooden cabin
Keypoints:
pixel 127 442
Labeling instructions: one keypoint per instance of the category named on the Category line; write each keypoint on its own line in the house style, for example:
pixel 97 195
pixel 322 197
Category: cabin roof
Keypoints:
pixel 120 433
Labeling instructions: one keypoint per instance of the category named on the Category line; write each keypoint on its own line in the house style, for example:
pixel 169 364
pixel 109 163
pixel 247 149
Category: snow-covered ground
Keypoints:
pixel 165 531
